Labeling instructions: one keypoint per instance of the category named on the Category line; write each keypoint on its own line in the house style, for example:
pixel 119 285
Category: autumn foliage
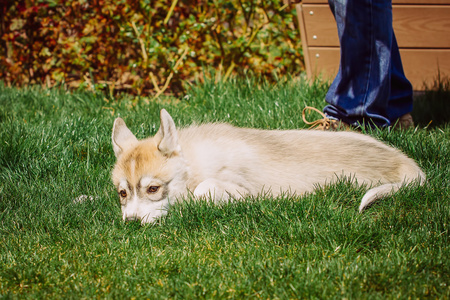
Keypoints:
pixel 144 47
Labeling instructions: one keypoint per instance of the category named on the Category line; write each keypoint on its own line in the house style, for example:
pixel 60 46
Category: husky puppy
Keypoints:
pixel 222 161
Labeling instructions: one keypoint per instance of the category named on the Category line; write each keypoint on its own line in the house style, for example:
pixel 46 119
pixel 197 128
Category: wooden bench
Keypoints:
pixel 422 29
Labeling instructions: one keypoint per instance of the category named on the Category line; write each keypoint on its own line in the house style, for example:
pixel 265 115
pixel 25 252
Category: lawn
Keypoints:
pixel 55 146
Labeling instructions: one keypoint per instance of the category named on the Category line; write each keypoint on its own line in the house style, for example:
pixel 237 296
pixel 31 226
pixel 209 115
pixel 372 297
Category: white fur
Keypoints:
pixel 222 162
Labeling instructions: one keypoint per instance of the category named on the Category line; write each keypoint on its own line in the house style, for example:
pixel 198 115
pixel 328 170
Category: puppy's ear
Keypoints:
pixel 169 137
pixel 122 138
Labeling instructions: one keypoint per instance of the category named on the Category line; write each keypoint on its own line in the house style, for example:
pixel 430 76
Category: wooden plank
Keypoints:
pixel 414 26
pixel 315 2
pixel 422 26
pixel 424 2
pixel 320 26
pixel 421 65
pixel 305 45
pixel 324 62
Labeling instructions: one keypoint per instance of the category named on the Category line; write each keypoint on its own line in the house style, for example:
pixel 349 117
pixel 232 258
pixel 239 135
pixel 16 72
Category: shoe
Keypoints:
pixel 404 122
pixel 325 123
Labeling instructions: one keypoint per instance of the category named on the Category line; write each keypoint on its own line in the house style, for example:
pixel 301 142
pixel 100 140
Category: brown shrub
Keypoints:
pixel 144 47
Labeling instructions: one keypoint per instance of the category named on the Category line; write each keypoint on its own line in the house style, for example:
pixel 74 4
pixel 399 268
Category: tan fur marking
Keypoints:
pixel 142 160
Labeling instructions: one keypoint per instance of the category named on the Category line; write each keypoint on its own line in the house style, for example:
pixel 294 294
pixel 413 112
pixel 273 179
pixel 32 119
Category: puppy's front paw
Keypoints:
pixel 83 198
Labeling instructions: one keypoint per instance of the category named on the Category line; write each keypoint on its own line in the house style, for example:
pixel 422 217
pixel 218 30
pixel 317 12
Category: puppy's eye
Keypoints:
pixel 123 193
pixel 153 189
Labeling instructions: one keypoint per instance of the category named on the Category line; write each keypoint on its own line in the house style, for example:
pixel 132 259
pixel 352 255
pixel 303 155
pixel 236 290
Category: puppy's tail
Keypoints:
pixel 412 173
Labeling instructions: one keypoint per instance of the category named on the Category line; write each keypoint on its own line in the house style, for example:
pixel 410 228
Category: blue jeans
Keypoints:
pixel 370 86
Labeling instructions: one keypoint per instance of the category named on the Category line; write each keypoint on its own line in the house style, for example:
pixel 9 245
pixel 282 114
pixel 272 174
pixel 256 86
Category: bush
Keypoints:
pixel 144 47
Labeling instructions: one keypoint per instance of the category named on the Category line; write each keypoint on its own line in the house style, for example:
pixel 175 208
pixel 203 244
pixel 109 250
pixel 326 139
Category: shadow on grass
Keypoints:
pixel 432 107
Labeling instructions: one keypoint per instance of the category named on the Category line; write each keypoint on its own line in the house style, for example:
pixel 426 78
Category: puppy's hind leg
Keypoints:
pixel 219 190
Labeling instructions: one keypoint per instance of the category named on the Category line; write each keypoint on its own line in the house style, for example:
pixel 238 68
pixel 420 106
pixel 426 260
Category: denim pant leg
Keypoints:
pixel 370 86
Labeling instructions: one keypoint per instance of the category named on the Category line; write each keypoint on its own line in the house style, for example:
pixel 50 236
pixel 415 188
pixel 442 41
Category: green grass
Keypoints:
pixel 55 146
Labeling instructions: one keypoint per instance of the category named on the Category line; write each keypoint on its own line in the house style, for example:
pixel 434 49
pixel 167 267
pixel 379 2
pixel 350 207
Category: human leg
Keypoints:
pixel 370 86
